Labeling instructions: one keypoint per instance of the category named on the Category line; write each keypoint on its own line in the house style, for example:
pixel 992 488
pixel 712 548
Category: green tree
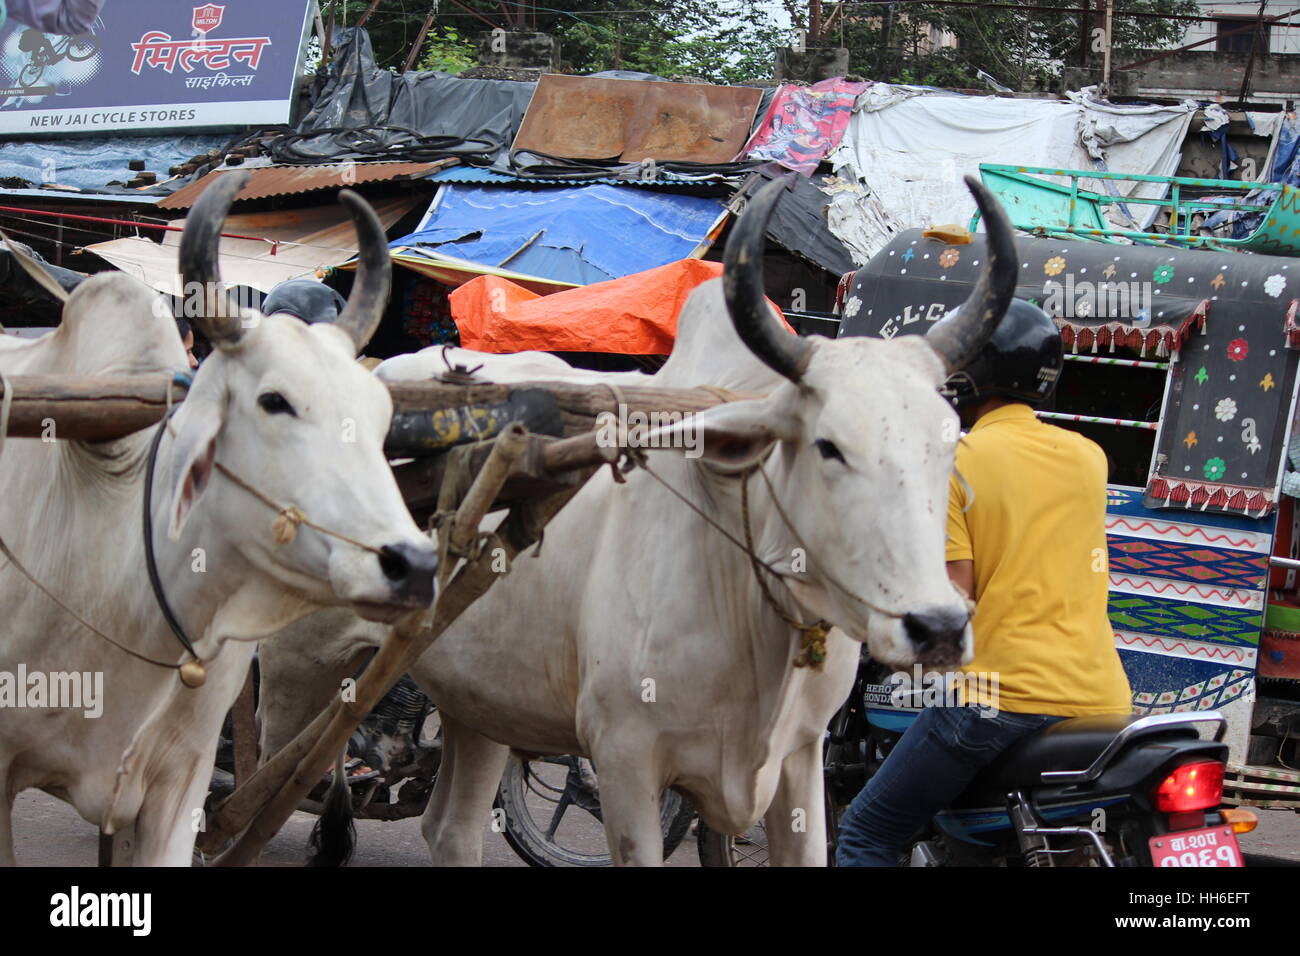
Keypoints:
pixel 446 50
pixel 1020 49
pixel 724 41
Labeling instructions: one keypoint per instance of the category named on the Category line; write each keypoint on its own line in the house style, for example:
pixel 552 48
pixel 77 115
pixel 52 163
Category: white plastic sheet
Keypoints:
pixel 907 148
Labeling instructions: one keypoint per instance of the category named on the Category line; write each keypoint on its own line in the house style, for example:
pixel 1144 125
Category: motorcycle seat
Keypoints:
pixel 1070 744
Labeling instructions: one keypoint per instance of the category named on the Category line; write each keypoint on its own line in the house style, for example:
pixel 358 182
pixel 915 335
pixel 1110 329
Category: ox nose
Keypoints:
pixel 936 630
pixel 410 569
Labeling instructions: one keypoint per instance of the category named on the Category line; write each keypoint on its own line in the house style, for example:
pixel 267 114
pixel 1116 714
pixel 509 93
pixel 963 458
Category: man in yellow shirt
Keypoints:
pixel 1027 540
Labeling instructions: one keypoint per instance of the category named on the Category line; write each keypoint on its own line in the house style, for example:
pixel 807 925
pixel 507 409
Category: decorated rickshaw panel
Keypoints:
pixel 1187 601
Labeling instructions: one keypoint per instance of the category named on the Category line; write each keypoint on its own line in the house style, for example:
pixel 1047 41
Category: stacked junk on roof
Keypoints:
pixel 536 214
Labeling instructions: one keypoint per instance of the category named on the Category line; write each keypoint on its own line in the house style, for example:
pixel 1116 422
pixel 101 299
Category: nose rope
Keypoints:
pixel 289 517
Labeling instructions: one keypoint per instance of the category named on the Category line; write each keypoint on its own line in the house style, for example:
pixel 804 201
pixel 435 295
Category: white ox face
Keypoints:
pixel 871 446
pixel 862 454
pixel 291 412
pixel 285 408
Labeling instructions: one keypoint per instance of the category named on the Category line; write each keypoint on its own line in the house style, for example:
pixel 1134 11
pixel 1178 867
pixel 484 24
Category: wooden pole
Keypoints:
pixel 419 39
pixel 82 408
pixel 1250 60
pixel 272 797
pixel 87 409
pixel 244 731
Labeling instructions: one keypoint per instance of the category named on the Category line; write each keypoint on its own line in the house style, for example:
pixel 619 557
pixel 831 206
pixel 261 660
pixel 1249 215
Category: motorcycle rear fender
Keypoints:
pixel 1136 772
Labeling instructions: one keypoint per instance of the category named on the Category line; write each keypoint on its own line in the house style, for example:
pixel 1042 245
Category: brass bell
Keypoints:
pixel 193 674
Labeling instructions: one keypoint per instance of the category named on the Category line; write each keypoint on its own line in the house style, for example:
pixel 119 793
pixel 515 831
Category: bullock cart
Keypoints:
pixel 462 448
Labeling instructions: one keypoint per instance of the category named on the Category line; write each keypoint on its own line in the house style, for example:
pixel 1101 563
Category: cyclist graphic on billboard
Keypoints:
pixel 43 51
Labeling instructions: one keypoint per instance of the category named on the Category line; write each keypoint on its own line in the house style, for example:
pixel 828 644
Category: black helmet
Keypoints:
pixel 1021 361
pixel 305 299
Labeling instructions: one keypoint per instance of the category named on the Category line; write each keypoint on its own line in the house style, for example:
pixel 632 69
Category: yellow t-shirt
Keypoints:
pixel 1033 522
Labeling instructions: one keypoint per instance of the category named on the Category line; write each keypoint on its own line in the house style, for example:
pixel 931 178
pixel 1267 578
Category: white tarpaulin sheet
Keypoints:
pixel 289 244
pixel 906 149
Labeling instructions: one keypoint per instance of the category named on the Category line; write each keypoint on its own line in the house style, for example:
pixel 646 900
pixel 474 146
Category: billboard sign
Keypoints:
pixel 147 65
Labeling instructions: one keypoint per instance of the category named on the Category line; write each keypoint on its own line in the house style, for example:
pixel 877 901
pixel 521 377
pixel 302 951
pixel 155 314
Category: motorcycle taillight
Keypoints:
pixel 1193 786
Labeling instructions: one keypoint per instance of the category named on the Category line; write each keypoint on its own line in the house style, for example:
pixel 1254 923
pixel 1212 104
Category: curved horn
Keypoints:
pixel 369 298
pixel 742 284
pixel 220 319
pixel 959 337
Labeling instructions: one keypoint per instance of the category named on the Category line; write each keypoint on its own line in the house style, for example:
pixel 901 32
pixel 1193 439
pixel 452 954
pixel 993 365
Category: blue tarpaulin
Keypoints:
pixel 582 234
pixel 1286 169
pixel 91 163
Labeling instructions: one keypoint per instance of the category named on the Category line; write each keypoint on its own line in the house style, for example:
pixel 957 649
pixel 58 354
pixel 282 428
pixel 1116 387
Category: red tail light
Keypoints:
pixel 1193 786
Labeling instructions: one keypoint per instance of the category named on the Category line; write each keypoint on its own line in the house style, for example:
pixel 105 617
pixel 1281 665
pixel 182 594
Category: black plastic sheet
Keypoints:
pixel 364 112
pixel 799 222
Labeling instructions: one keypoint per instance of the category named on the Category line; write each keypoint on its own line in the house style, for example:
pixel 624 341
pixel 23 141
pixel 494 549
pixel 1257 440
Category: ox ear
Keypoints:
pixel 733 435
pixel 193 451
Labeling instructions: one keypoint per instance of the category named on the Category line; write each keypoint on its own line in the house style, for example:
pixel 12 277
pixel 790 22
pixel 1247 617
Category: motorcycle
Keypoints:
pixel 1113 790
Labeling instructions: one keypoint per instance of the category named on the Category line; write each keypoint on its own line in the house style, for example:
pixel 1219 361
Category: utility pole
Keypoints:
pixel 1084 37
pixel 883 67
pixel 1255 37
pixel 1105 62
pixel 618 44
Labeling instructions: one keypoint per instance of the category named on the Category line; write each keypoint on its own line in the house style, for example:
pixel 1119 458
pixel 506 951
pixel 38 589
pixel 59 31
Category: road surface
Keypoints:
pixel 48 832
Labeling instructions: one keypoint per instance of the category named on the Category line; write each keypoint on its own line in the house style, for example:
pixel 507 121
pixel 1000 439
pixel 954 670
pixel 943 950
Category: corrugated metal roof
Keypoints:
pixel 292 243
pixel 142 199
pixel 267 181
pixel 463 175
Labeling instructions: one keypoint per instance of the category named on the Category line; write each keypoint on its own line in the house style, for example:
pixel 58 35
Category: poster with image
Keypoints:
pixel 146 65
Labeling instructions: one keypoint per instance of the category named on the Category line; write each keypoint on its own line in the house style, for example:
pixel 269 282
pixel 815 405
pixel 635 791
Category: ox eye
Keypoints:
pixel 273 403
pixel 829 449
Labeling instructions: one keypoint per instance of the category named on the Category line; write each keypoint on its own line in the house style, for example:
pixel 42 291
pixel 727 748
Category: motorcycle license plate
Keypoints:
pixel 1212 846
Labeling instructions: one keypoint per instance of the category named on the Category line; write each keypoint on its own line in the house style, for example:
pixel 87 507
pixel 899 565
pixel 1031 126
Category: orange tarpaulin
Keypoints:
pixel 634 315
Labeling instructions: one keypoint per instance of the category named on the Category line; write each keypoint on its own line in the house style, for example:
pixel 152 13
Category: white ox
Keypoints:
pixel 283 406
pixel 640 637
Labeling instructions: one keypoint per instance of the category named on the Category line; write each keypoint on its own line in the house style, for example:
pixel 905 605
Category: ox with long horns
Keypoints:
pixel 645 639
pixel 266 495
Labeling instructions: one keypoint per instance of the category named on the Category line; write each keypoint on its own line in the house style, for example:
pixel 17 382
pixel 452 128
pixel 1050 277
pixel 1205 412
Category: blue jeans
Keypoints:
pixel 928 768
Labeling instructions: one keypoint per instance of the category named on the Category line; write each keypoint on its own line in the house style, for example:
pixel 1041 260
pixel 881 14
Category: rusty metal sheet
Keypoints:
pixel 267 181
pixel 582 117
